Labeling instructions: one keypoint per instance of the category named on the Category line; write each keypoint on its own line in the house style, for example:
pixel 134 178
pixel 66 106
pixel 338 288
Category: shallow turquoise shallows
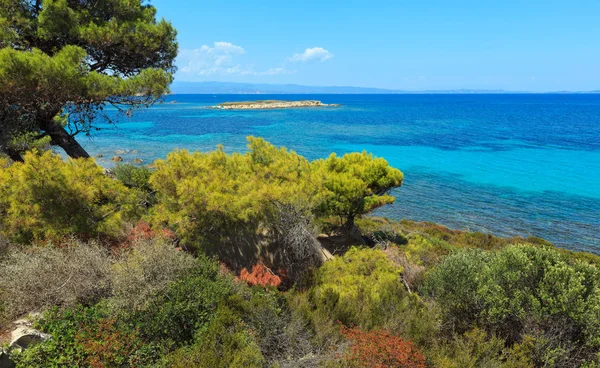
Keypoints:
pixel 507 164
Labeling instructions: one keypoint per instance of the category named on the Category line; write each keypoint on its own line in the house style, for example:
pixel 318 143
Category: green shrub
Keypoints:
pixel 47 198
pixel 40 277
pixel 213 198
pixel 226 342
pixel 133 176
pixel 173 316
pixel 476 349
pixel 85 337
pixel 362 287
pixel 522 290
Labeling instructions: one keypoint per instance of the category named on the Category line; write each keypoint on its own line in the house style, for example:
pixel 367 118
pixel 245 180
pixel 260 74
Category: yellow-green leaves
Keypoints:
pixel 355 184
pixel 45 197
pixel 357 286
pixel 203 193
pixel 208 194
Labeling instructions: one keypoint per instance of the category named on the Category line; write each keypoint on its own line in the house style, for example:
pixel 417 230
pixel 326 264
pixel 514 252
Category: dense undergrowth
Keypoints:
pixel 211 260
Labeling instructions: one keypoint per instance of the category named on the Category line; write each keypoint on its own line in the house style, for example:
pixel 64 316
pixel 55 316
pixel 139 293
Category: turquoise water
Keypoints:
pixel 506 164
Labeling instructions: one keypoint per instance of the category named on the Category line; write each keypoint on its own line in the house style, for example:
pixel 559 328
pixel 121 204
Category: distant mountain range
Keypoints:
pixel 263 88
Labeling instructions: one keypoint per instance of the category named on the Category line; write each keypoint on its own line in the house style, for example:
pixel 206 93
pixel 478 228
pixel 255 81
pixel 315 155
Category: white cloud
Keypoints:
pixel 315 53
pixel 207 60
pixel 223 58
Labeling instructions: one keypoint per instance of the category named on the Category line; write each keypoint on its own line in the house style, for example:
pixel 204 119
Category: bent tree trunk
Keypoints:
pixel 61 138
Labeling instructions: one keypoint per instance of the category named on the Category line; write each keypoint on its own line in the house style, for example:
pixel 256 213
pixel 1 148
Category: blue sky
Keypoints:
pixel 403 44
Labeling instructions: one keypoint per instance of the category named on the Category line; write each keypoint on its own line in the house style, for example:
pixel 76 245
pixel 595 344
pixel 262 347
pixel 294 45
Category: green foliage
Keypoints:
pixel 85 337
pixel 476 349
pixel 358 287
pixel 71 59
pixel 46 198
pixel 226 342
pixel 133 176
pixel 205 197
pixel 173 316
pixel 355 184
pixel 210 197
pixel 521 289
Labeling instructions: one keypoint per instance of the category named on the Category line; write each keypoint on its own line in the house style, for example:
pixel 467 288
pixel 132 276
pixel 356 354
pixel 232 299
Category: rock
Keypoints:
pixel 120 152
pixel 138 161
pixel 25 335
pixel 99 155
pixel 117 159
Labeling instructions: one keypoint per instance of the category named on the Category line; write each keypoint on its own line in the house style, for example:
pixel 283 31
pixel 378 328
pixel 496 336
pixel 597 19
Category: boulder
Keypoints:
pixel 138 161
pixel 99 155
pixel 117 159
pixel 25 335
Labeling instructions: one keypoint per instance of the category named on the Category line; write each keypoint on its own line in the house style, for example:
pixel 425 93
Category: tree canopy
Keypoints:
pixel 356 184
pixel 63 61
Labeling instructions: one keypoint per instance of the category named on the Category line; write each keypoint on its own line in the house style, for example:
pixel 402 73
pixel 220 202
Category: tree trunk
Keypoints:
pixel 61 138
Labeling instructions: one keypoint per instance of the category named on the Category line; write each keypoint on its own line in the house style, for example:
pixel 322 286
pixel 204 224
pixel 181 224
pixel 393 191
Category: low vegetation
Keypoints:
pixel 212 260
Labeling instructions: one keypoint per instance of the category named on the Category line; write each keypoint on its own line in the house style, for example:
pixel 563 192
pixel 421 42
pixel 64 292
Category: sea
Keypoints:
pixel 506 164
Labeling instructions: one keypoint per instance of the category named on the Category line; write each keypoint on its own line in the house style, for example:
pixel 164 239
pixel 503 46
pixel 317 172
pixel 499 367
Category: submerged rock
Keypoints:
pixel 117 159
pixel 138 161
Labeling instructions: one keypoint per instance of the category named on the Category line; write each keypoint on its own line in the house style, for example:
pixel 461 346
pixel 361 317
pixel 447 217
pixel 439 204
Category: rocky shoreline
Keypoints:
pixel 270 104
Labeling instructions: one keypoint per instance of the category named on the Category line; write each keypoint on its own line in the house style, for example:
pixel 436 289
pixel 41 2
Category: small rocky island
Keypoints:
pixel 270 104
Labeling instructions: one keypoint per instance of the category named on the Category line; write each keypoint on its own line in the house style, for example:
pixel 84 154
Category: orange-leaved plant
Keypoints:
pixel 380 349
pixel 260 275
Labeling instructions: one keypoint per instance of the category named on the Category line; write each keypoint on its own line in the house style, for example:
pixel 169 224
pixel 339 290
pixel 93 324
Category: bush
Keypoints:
pixel 267 314
pixel 380 349
pixel 85 337
pixel 476 349
pixel 173 316
pixel 133 176
pixel 519 290
pixel 362 287
pixel 37 278
pixel 213 198
pixel 145 271
pixel 260 275
pixel 47 198
pixel 226 343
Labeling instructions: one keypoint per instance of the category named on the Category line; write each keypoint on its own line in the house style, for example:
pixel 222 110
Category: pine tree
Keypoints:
pixel 63 61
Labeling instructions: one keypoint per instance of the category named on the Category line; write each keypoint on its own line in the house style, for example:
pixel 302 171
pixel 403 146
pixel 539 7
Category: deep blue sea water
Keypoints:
pixel 505 164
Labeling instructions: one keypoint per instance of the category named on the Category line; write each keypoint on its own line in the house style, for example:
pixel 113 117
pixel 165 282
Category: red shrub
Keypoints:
pixel 107 345
pixel 260 275
pixel 380 349
pixel 142 230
